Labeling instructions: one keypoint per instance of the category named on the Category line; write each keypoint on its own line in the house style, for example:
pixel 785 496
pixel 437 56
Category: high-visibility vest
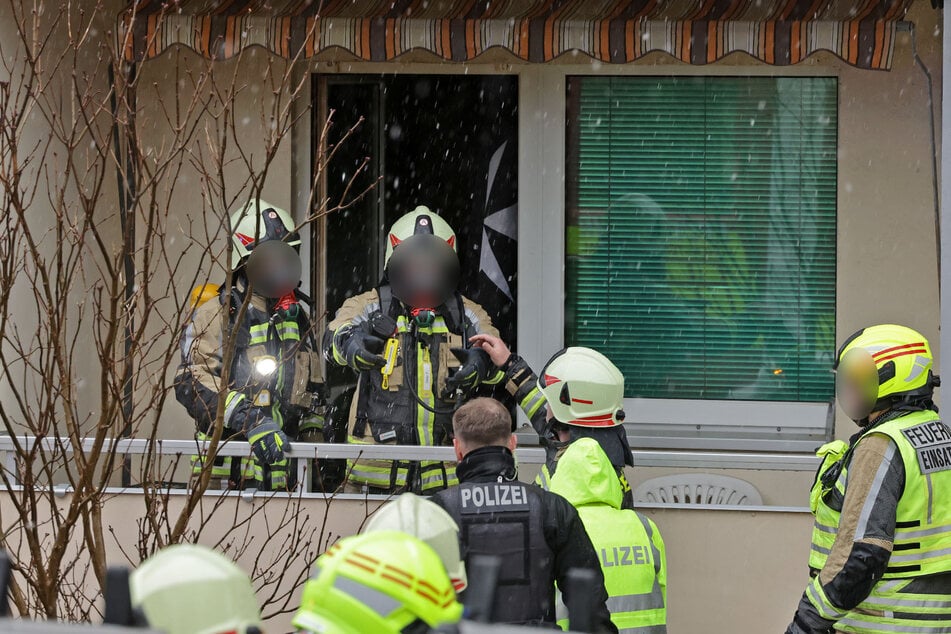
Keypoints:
pixel 922 542
pixel 633 558
pixel 923 520
pixel 825 501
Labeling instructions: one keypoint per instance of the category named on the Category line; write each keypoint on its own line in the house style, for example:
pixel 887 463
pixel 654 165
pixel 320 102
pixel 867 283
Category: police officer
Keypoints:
pixel 188 588
pixel 580 394
pixel 408 340
pixel 537 534
pixel 879 557
pixel 385 582
pixel 274 380
pixel 629 545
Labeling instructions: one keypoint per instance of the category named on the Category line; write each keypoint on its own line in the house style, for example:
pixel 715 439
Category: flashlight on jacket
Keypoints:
pixel 264 368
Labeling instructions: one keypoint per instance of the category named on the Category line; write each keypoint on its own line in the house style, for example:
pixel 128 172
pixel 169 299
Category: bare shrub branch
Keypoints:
pixel 116 183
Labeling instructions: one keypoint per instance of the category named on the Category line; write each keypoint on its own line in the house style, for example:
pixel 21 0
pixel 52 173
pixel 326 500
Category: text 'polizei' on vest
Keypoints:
pixel 625 556
pixel 494 497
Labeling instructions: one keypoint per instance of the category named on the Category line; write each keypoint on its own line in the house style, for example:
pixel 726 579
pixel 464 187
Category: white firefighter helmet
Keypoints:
pixel 583 388
pixel 258 221
pixel 429 522
pixel 192 589
pixel 419 221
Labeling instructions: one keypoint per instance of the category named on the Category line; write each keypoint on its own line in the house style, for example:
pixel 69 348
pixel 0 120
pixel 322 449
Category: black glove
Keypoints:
pixel 268 442
pixel 476 367
pixel 360 348
pixel 797 628
pixel 807 620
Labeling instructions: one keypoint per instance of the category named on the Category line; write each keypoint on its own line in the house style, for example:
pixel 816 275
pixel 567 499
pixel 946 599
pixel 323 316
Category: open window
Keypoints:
pixel 445 141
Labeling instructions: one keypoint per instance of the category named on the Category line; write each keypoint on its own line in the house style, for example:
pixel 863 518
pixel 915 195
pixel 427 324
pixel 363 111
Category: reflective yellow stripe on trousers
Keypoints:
pixel 374 473
pixel 887 609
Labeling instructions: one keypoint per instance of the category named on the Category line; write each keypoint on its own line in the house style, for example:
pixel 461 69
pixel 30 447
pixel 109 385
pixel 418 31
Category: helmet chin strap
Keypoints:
pixel 894 410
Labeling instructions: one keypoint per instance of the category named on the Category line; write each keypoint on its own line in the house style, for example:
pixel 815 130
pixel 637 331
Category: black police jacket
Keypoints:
pixel 538 536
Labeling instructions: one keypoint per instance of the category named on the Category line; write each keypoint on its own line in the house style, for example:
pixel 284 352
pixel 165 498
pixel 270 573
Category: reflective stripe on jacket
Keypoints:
pixel 400 413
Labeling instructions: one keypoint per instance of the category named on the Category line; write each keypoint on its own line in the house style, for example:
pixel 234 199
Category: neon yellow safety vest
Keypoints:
pixel 827 518
pixel 923 518
pixel 632 558
pixel 628 544
pixel 922 543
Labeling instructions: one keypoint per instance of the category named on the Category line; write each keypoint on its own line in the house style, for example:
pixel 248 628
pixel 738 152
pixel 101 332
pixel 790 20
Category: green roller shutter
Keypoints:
pixel 701 232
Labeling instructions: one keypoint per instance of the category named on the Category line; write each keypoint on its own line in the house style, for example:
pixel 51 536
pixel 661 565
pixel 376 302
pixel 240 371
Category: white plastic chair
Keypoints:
pixel 698 488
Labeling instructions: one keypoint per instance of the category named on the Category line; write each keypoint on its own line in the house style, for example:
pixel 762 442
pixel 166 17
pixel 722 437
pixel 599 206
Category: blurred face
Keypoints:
pixel 423 271
pixel 856 384
pixel 274 269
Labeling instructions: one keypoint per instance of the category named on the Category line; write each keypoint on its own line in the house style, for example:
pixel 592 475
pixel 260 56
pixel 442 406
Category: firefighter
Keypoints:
pixel 274 384
pixel 537 535
pixel 631 548
pixel 579 394
pixel 882 502
pixel 385 582
pixel 408 340
pixel 192 589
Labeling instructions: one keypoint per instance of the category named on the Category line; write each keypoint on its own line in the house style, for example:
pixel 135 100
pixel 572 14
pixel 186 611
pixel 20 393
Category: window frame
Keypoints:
pixel 703 425
pixel 541 253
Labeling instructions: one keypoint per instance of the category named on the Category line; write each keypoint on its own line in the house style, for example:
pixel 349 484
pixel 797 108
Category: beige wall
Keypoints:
pixel 887 262
pixel 733 571
pixel 189 203
pixel 729 571
pixel 47 169
pixel 195 208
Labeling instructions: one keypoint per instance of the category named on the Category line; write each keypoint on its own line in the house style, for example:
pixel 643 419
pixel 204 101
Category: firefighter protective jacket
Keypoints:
pixel 882 534
pixel 397 408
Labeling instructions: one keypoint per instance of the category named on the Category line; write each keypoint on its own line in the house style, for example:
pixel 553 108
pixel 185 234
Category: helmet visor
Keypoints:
pixel 274 269
pixel 423 271
pixel 856 383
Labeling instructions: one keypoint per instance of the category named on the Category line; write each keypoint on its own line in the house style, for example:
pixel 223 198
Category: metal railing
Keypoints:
pixel 774 461
pixel 307 452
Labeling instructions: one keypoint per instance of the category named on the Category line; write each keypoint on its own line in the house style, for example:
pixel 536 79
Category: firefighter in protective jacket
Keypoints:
pixel 580 394
pixel 882 502
pixel 409 342
pixel 274 380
